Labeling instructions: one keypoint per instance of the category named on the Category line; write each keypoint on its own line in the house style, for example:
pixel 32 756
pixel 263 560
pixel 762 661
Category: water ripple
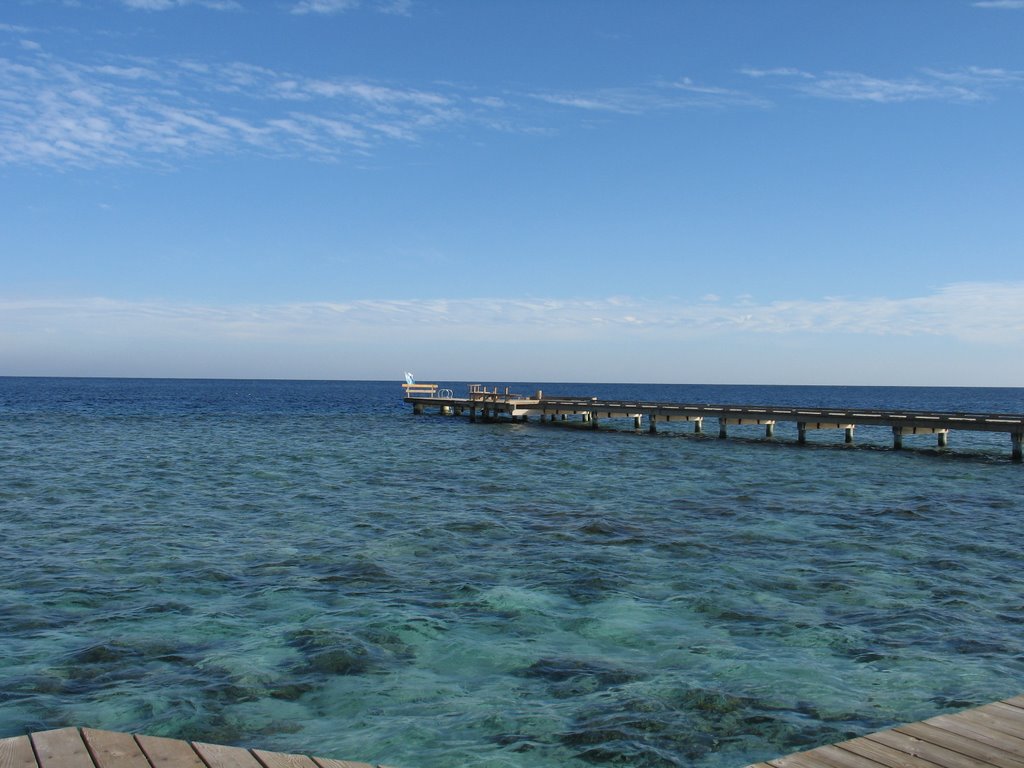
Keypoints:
pixel 308 567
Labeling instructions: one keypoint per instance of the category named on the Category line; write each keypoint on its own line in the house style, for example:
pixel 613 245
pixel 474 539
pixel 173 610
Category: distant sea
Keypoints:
pixel 309 567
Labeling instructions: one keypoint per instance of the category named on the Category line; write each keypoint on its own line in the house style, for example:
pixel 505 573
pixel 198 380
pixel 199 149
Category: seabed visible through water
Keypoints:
pixel 308 567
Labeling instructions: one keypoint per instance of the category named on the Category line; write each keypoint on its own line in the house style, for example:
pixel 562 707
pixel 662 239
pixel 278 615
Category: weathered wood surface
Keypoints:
pixel 988 737
pixel 91 748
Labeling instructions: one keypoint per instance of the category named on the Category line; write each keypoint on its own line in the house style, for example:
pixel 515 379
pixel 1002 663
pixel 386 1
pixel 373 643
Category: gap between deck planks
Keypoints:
pixel 92 748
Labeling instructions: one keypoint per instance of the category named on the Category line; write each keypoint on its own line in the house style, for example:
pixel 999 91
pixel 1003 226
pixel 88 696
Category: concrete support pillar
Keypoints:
pixel 417 408
pixel 563 417
pixel 943 439
pixel 458 410
pixel 472 414
pixel 801 432
pixel 652 426
pixel 722 431
pixel 446 410
pixel 593 421
pixel 769 430
pixel 1018 446
pixel 524 418
pixel 636 421
pixel 848 436
pixel 698 426
pixel 897 438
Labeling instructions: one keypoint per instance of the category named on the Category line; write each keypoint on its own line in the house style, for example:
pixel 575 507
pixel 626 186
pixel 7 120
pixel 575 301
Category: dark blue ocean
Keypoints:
pixel 309 567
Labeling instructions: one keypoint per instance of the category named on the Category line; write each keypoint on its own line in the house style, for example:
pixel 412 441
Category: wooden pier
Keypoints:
pixel 91 748
pixel 492 403
pixel 991 736
pixel 987 737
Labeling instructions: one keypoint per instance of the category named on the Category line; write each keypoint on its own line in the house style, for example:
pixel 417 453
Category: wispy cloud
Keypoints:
pixel 121 110
pixel 137 111
pixel 165 5
pixel 961 85
pixel 776 72
pixel 1005 4
pixel 680 94
pixel 397 7
pixel 991 313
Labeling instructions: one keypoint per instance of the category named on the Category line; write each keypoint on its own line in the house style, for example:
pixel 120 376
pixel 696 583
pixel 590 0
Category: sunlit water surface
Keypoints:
pixel 309 567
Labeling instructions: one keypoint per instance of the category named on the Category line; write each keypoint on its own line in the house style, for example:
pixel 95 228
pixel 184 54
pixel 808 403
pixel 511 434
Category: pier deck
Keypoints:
pixel 987 737
pixel 490 403
pixel 91 748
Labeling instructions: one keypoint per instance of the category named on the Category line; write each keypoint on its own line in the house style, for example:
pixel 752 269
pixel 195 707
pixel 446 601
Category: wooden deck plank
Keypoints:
pixel 283 760
pixel 325 762
pixel 840 758
pixel 16 752
pixel 219 756
pixel 1008 711
pixel 883 755
pixel 967 726
pixel 61 748
pixel 114 750
pixel 925 750
pixel 169 753
pixel 998 718
pixel 965 745
pixel 809 759
pixel 991 719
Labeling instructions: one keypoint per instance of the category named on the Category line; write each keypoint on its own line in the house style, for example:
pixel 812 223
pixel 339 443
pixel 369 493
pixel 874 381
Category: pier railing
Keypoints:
pixel 481 392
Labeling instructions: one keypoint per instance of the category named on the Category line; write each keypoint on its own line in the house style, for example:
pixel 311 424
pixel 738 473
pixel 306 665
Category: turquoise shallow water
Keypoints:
pixel 309 567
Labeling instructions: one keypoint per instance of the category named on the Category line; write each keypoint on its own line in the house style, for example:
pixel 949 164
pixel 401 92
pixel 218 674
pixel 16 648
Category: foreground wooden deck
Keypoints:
pixel 90 748
pixel 987 737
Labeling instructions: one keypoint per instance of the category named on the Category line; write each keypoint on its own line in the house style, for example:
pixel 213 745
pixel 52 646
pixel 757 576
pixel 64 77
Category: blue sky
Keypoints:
pixel 600 190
